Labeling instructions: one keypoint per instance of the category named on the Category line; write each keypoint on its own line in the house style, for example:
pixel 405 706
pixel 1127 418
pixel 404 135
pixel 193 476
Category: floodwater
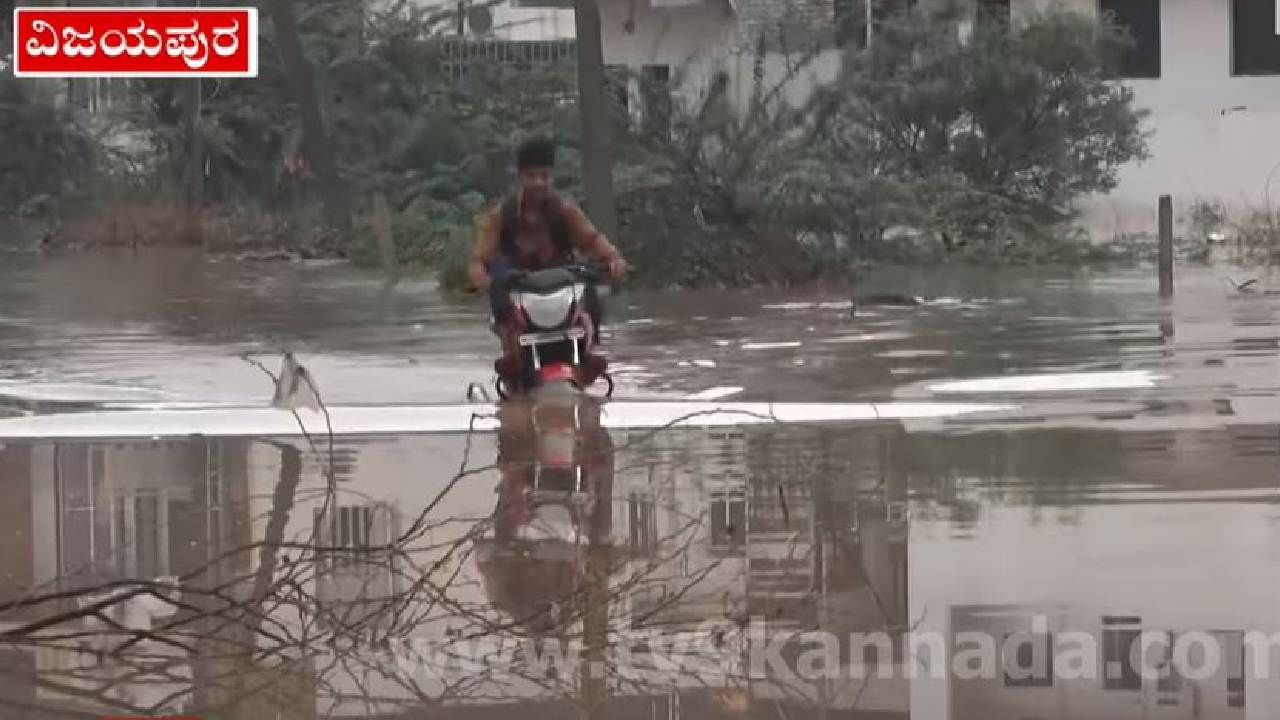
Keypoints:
pixel 1105 546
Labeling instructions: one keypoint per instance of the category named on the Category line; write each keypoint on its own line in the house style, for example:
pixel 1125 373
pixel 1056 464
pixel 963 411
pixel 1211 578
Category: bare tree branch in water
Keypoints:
pixel 273 637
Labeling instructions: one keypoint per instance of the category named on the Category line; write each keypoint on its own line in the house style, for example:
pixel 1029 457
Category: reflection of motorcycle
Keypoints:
pixel 552 524
pixel 555 339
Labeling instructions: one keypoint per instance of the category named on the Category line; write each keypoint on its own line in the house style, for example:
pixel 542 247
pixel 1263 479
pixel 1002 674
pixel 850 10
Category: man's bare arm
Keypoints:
pixel 484 250
pixel 587 239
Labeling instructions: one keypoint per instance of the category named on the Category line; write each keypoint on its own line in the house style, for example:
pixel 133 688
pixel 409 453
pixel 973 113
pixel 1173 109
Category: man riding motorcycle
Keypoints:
pixel 534 228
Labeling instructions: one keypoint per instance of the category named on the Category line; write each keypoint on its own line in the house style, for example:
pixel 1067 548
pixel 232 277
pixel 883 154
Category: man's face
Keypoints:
pixel 535 182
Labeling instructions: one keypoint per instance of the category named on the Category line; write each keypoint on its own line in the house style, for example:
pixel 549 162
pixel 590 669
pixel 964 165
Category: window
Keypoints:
pixel 992 12
pixel 728 519
pixel 356 578
pixel 642 525
pixel 140 530
pixel 345 533
pixel 1141 19
pixel 543 4
pixel 85 527
pixel 718 88
pixel 1169 683
pixel 107 533
pixel 618 93
pixel 885 9
pixel 1233 652
pixel 655 83
pixel 1032 664
pixel 1255 45
pixel 1118 636
pixel 850 19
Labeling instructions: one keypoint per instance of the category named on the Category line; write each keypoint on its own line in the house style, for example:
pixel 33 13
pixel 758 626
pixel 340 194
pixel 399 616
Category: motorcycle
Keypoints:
pixel 553 332
pixel 553 521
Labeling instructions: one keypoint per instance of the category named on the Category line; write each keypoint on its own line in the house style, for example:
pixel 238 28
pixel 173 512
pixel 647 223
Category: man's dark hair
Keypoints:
pixel 536 153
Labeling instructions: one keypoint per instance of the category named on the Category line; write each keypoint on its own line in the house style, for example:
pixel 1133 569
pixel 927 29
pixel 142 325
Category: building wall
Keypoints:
pixel 519 23
pixel 1206 567
pixel 670 472
pixel 513 22
pixel 698 40
pixel 678 470
pixel 1214 134
pixel 1203 698
pixel 17 572
pixel 1201 147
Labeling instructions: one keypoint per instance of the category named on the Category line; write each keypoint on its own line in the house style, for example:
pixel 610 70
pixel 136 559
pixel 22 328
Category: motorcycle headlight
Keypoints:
pixel 550 310
pixel 550 522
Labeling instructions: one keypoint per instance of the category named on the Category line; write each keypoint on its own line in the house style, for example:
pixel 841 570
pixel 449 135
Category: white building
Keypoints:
pixel 1195 560
pixel 1208 70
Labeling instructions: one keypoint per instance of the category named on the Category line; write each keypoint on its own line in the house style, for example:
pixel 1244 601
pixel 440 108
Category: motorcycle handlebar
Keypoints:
pixel 596 274
pixel 590 271
pixel 593 271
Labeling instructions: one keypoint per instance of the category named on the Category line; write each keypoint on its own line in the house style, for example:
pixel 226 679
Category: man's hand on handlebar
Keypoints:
pixel 610 271
pixel 617 269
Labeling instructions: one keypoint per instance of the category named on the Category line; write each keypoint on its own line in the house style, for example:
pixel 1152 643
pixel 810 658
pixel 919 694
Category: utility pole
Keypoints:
pixel 193 173
pixel 593 109
pixel 316 145
pixel 195 148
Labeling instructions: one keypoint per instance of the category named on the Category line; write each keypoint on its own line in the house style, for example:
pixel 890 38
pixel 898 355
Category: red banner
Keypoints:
pixel 135 42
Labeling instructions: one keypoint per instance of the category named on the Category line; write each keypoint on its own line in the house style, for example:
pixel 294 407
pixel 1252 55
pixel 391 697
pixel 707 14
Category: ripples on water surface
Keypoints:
pixel 172 328
pixel 1132 489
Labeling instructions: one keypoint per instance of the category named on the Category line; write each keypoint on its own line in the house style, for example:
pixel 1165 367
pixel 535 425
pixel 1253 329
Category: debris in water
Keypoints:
pixel 786 514
pixel 715 393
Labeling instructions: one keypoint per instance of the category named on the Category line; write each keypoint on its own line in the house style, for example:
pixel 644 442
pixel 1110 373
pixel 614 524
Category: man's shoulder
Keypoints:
pixel 569 203
pixel 570 208
pixel 499 207
pixel 491 211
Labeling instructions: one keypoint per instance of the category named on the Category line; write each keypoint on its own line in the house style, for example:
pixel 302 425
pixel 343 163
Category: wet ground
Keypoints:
pixel 1129 487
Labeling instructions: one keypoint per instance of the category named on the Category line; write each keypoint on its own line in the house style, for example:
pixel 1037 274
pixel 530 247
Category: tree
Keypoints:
pixel 47 154
pixel 980 142
pixel 319 153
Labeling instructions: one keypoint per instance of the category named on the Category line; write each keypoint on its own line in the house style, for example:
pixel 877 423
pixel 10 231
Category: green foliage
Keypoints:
pixel 928 145
pixel 452 255
pixel 1257 236
pixel 410 114
pixel 985 142
pixel 724 190
pixel 47 155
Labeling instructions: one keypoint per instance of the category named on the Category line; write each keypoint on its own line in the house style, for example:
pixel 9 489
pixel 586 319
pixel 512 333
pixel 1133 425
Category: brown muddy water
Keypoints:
pixel 1107 547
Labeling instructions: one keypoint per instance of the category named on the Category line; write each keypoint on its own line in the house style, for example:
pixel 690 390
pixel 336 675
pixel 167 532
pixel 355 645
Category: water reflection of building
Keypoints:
pixel 801 529
pixel 77 513
pixel 1034 687
pixel 129 510
pixel 783 516
pixel 81 515
pixel 1107 534
pixel 707 535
